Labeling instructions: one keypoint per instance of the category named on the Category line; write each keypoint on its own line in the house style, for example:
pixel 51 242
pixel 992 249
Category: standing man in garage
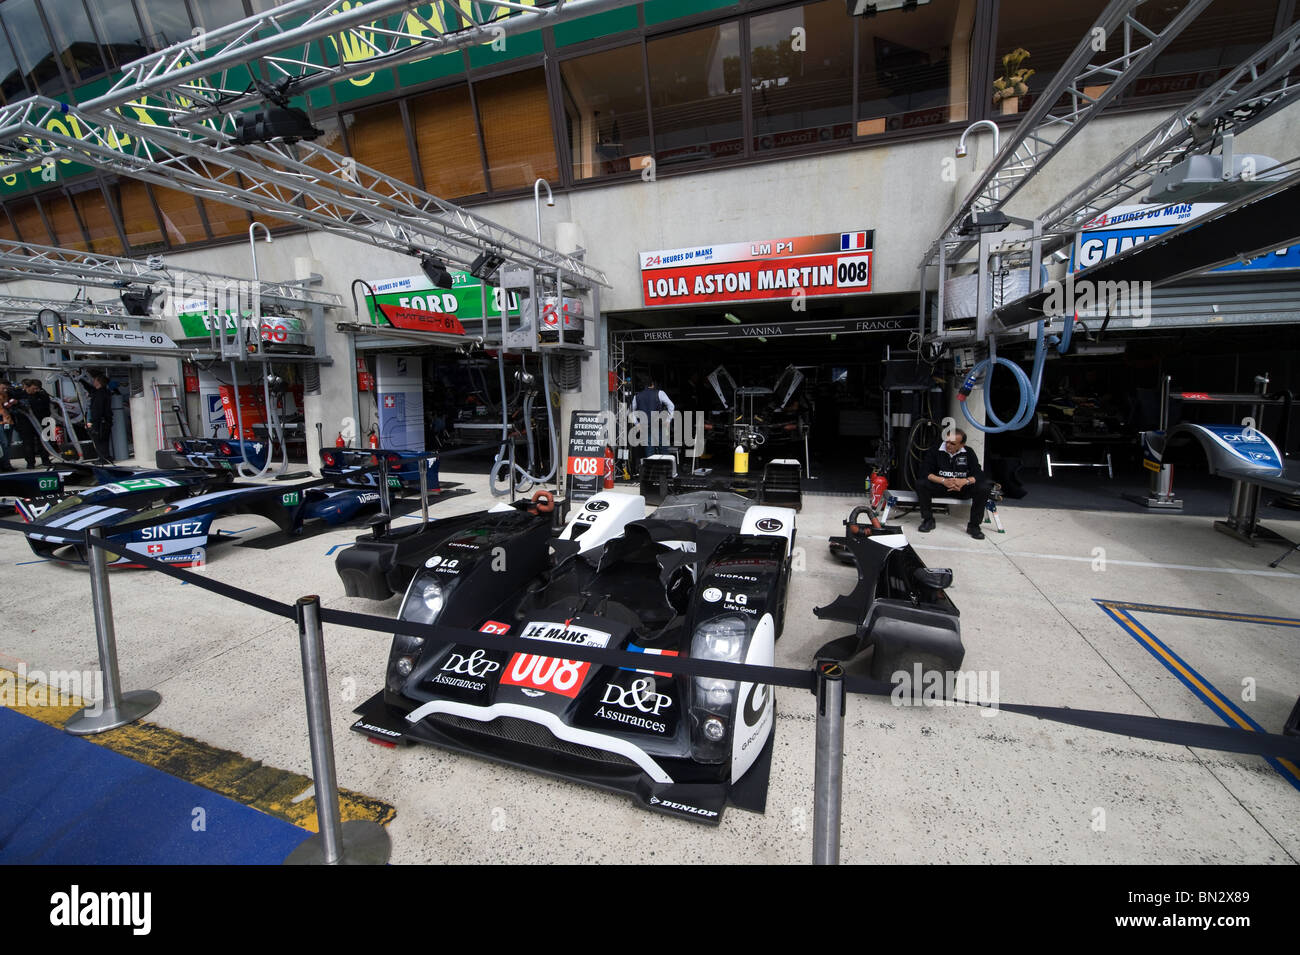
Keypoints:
pixel 953 470
pixel 649 401
pixel 101 418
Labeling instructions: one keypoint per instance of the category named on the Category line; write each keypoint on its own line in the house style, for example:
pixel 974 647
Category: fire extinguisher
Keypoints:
pixel 609 468
pixel 878 484
pixel 374 438
pixel 338 443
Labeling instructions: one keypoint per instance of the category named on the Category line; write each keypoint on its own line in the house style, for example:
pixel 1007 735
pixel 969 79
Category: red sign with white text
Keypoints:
pixel 549 674
pixel 814 266
pixel 400 316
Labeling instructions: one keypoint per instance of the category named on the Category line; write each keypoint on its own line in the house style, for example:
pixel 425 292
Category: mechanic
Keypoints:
pixel 37 404
pixel 101 419
pixel 648 401
pixel 956 469
pixel 6 425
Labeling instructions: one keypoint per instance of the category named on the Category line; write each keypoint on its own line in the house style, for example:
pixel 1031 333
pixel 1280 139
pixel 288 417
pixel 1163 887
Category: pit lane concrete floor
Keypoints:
pixel 921 784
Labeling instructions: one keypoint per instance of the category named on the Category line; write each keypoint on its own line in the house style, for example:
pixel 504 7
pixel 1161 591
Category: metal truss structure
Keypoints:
pixel 1089 85
pixel 204 78
pixel 170 119
pixel 43 263
pixel 1261 86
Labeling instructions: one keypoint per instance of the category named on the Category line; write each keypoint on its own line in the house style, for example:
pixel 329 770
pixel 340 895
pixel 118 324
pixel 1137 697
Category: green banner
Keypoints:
pixel 464 299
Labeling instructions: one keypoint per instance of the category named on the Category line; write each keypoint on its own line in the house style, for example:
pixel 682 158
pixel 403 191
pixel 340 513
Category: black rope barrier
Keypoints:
pixel 1152 728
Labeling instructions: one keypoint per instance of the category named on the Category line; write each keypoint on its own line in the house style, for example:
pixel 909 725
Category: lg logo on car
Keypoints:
pixel 769 525
pixel 472 665
pixel 638 696
pixel 712 594
pixel 433 561
pixel 597 505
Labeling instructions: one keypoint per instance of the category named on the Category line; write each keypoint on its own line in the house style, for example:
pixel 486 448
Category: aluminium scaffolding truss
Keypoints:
pixel 1090 79
pixel 206 77
pixel 43 263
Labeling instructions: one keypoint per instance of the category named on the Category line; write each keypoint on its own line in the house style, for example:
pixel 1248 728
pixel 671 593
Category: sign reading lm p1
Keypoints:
pixel 819 266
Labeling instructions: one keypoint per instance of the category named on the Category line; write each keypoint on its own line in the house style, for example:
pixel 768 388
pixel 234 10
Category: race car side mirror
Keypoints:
pixel 936 578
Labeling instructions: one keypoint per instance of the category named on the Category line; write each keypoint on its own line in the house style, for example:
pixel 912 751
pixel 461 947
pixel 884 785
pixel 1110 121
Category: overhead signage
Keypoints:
pixel 421 320
pixel 816 266
pixel 119 337
pixel 850 326
pixel 1124 227
pixel 462 302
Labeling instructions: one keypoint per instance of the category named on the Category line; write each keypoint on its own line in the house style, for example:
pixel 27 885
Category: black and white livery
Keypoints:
pixel 704 577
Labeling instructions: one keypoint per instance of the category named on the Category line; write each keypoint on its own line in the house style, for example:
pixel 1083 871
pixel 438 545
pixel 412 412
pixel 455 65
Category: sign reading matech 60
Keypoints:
pixel 837 263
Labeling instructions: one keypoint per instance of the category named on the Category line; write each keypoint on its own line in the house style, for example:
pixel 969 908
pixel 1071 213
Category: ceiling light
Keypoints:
pixel 485 266
pixel 436 269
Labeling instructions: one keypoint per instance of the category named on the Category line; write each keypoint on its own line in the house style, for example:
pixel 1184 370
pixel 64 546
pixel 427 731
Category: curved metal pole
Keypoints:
pixel 997 138
pixel 537 202
pixel 244 469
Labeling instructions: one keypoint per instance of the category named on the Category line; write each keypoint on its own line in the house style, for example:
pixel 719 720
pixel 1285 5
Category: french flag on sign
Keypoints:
pixel 852 241
pixel 633 648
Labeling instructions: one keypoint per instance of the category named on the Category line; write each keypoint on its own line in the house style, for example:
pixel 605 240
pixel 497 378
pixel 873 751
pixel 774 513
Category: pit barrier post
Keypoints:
pixel 424 490
pixel 358 841
pixel 116 708
pixel 385 497
pixel 829 768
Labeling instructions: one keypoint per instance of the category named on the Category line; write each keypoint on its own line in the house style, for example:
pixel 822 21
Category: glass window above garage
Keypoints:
pixel 695 89
pixel 605 112
pixel 800 76
pixel 914 67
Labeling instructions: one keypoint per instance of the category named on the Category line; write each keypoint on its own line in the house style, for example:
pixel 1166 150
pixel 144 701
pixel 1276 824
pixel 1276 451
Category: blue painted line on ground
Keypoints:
pixel 23 563
pixel 1153 645
pixel 330 552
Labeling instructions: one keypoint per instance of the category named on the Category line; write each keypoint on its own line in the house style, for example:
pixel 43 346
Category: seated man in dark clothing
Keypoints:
pixel 953 470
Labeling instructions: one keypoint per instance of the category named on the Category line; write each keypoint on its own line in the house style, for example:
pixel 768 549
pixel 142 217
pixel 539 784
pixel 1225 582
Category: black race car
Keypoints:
pixel 704 577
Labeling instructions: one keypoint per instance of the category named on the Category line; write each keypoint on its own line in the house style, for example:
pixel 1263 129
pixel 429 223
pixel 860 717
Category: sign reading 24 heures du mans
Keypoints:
pixel 837 263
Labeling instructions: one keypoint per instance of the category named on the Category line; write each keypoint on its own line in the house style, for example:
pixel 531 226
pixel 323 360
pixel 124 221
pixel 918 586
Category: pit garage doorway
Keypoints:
pixel 810 389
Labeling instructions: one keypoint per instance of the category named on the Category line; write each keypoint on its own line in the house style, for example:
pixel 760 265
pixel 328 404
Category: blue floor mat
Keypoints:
pixel 66 801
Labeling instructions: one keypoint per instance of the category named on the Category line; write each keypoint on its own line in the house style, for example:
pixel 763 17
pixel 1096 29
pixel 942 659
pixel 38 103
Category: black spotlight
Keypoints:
pixel 138 301
pixel 287 123
pixel 436 269
pixel 485 266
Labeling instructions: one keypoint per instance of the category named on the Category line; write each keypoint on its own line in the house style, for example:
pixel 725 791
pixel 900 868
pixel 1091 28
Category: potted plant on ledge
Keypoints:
pixel 1014 81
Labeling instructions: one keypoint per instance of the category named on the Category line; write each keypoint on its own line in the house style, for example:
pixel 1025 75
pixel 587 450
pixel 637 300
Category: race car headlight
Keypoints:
pixel 713 700
pixel 424 601
pixel 423 604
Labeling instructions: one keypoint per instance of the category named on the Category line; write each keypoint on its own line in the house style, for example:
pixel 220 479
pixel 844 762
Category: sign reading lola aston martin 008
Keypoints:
pixel 837 263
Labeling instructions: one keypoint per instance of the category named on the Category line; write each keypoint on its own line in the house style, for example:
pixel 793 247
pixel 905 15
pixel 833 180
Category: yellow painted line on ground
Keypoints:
pixel 1138 631
pixel 1220 704
pixel 223 771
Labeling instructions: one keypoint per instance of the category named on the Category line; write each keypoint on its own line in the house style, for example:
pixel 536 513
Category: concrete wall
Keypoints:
pixel 904 191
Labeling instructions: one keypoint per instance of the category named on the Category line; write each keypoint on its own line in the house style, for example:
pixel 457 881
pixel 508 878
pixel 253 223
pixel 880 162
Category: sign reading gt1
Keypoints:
pixel 818 266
